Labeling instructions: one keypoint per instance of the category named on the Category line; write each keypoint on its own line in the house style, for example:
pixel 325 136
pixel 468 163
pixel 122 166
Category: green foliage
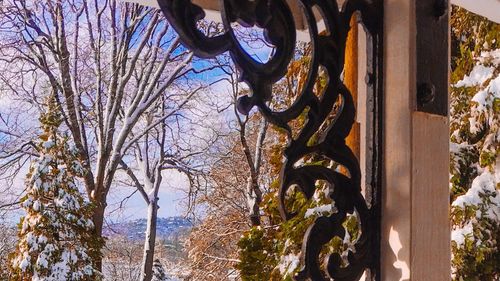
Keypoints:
pixel 256 254
pixel 475 118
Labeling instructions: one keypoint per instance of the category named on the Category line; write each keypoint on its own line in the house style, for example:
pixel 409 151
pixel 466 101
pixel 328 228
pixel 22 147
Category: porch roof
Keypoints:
pixel 487 8
pixel 212 7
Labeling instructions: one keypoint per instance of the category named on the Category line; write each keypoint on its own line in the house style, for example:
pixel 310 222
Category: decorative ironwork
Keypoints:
pixel 276 18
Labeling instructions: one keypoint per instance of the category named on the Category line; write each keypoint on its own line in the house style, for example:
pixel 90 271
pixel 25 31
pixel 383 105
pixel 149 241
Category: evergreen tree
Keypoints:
pixel 56 237
pixel 159 273
pixel 475 140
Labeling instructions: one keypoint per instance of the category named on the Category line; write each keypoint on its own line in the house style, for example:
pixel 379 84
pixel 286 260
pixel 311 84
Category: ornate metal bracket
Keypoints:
pixel 276 18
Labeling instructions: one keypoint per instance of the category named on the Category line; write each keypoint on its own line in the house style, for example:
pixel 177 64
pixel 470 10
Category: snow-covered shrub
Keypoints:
pixel 475 140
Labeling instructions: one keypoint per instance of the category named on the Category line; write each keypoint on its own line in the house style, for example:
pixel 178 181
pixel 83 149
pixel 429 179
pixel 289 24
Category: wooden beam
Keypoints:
pixel 415 218
pixel 351 81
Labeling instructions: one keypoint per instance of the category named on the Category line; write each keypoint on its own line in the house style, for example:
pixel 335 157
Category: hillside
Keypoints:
pixel 167 228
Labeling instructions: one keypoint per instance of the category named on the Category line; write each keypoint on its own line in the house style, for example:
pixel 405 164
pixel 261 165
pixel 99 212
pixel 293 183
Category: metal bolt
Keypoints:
pixel 440 8
pixel 369 78
pixel 426 93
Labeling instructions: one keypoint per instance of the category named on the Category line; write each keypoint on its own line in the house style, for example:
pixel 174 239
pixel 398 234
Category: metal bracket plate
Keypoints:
pixel 432 56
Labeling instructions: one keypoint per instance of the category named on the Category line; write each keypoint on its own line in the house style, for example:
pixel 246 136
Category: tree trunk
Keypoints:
pixel 254 199
pixel 98 220
pixel 254 193
pixel 149 242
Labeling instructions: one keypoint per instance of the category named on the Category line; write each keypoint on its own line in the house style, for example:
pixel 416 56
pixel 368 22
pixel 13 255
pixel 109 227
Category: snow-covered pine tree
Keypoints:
pixel 56 237
pixel 475 141
pixel 159 273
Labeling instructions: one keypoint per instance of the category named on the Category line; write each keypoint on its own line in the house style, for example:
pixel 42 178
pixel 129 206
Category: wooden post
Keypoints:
pixel 351 81
pixel 415 238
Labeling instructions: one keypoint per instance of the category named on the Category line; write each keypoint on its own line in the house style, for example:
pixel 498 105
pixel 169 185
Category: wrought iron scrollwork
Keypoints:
pixel 328 51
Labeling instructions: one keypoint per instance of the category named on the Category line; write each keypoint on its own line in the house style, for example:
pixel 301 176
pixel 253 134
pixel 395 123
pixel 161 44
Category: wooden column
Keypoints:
pixel 415 221
pixel 351 81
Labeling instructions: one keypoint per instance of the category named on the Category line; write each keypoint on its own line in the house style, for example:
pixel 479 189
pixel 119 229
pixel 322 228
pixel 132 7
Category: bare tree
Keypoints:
pixel 252 152
pixel 166 147
pixel 121 259
pixel 236 187
pixel 8 239
pixel 246 171
pixel 108 64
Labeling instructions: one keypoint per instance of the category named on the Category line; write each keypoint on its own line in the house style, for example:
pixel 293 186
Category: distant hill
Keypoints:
pixel 167 228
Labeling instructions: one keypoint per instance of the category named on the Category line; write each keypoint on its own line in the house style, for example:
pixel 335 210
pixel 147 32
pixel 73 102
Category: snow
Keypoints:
pixel 481 74
pixel 480 97
pixel 494 87
pixel 484 76
pixel 52 203
pixel 490 57
pixel 42 239
pixel 42 261
pixel 49 144
pixel 458 235
pixel 77 167
pixel 483 185
pixel 31 240
pixel 482 195
pixel 478 76
pixel 458 148
pixel 327 208
pixel 288 264
pixel 36 206
pixel 27 203
pixel 25 262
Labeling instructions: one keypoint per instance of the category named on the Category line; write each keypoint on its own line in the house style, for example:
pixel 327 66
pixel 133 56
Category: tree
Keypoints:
pixel 475 119
pixel 211 245
pixel 107 64
pixel 55 235
pixel 161 149
pixel 121 259
pixel 7 245
pixel 236 185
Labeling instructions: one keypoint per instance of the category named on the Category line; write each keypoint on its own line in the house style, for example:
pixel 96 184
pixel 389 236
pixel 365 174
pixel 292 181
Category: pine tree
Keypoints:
pixel 475 140
pixel 159 273
pixel 56 237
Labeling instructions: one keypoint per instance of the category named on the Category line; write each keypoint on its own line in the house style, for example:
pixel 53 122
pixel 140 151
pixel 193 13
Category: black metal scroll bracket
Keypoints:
pixel 276 18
